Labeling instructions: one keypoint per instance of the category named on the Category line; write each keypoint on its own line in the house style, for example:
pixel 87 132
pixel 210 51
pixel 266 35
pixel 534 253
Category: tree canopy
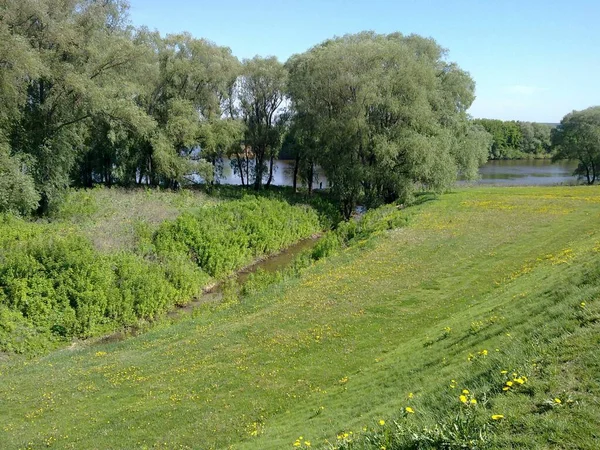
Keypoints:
pixel 86 98
pixel 387 112
pixel 578 138
pixel 514 140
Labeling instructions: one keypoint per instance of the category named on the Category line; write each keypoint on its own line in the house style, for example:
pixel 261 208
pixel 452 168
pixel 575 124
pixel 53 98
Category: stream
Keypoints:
pixel 214 294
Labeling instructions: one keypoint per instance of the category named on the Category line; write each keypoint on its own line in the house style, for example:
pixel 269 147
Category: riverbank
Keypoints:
pixel 478 288
pixel 109 259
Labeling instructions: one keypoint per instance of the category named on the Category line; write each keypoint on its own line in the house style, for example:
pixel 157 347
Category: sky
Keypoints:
pixel 531 60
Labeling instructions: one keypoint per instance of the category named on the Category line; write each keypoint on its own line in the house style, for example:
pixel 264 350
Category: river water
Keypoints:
pixel 535 172
pixel 528 172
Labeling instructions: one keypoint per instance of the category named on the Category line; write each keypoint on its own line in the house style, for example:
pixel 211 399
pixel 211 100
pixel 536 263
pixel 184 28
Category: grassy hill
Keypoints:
pixel 476 325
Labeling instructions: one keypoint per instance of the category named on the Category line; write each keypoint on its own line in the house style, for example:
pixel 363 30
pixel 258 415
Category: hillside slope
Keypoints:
pixel 483 287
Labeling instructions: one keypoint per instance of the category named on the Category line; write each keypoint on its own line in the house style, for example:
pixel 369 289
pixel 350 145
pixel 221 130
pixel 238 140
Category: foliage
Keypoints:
pixel 17 188
pixel 514 140
pixel 54 283
pixel 578 137
pixel 60 285
pixel 386 112
pixel 262 87
pixel 225 238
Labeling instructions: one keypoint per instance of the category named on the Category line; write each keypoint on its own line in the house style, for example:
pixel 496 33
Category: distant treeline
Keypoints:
pixel 516 140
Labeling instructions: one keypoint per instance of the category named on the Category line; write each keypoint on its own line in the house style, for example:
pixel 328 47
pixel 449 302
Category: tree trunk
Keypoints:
pixel 270 172
pixel 311 175
pixel 258 170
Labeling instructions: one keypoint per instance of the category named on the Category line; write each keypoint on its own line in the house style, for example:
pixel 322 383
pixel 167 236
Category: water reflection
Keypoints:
pixel 512 172
pixel 528 172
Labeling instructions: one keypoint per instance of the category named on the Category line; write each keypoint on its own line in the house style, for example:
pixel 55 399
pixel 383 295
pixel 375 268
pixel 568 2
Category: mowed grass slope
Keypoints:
pixel 481 281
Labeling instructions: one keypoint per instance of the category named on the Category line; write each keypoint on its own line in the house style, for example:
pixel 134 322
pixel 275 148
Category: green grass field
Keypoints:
pixel 484 286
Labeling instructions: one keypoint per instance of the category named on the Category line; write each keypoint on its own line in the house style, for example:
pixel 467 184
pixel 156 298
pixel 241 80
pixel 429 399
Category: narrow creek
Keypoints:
pixel 272 263
pixel 214 294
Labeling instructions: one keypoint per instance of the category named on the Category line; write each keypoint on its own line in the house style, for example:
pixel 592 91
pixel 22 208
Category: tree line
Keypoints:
pixel 86 98
pixel 517 140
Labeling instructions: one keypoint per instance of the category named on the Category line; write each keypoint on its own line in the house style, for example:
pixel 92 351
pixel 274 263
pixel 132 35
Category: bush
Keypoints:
pixel 227 237
pixel 17 188
pixel 53 284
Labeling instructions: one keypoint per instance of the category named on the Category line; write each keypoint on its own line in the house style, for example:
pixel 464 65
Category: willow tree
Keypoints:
pixel 389 113
pixel 578 137
pixel 261 95
pixel 73 56
pixel 183 91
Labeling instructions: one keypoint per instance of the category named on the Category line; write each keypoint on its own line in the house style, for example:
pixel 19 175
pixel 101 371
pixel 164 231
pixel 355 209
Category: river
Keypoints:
pixel 535 172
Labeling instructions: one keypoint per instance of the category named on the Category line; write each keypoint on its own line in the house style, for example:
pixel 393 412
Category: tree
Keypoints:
pixel 535 138
pixel 389 114
pixel 578 137
pixel 507 138
pixel 17 188
pixel 76 64
pixel 261 94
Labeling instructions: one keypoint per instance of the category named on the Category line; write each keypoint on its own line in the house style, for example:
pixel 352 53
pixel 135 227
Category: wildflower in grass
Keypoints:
pixel 473 401
pixel 463 399
pixel 503 372
pixel 381 422
pixel 497 417
pixel 307 443
pixel 453 384
pixel 582 304
pixel 465 391
pixel 409 410
pixel 558 401
pixel 411 395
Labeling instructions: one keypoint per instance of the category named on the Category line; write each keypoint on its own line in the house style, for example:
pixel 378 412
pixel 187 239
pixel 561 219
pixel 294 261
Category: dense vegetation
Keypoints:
pixel 516 140
pixel 61 279
pixel 578 138
pixel 479 290
pixel 85 99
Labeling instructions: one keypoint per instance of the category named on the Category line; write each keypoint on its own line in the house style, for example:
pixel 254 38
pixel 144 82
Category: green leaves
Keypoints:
pixel 578 137
pixel 388 112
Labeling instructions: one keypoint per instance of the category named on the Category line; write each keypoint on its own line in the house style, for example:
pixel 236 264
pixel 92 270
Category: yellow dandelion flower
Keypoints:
pixel 557 401
pixel 509 383
pixel 297 444
pixel 505 388
pixel 497 417
pixel 503 372
pixel 307 443
pixel 381 422
pixel 473 401
pixel 463 398
pixel 409 410
pixel 411 395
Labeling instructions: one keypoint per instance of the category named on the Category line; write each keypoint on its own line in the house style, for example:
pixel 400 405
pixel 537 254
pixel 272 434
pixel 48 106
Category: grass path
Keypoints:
pixel 341 348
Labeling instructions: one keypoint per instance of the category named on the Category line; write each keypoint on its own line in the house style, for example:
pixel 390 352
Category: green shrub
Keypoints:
pixel 229 236
pixel 17 188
